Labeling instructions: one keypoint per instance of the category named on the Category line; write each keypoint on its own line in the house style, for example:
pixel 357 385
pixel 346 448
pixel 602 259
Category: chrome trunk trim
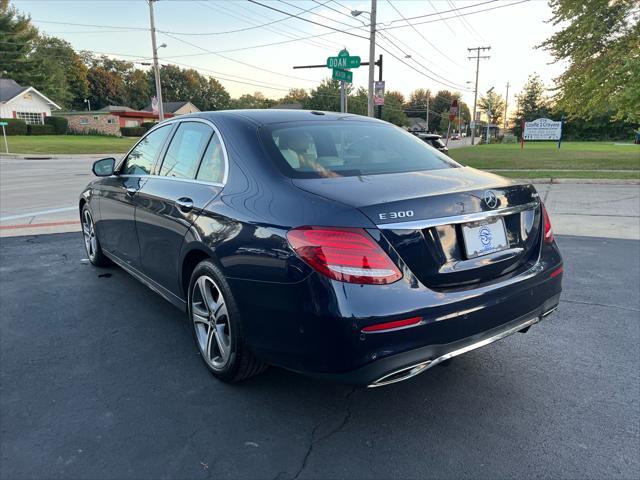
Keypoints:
pixel 413 370
pixel 469 217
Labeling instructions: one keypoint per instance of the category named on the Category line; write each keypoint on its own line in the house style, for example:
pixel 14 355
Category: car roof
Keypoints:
pixel 269 116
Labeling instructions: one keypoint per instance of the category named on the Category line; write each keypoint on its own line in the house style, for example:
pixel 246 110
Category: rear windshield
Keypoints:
pixel 341 148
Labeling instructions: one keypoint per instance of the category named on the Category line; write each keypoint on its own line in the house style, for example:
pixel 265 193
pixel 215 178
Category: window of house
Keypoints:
pixel 95 117
pixel 84 121
pixel 31 118
pixel 185 151
pixel 111 121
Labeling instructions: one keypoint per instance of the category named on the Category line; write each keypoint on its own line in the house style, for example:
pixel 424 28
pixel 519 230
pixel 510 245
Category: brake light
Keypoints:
pixel 395 325
pixel 344 254
pixel 548 232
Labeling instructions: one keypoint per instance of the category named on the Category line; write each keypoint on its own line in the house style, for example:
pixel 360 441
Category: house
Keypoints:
pixel 175 108
pixel 108 120
pixel 25 103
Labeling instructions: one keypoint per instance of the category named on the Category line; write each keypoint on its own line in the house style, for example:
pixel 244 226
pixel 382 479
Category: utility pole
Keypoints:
pixel 372 54
pixel 475 92
pixel 506 104
pixel 428 111
pixel 156 68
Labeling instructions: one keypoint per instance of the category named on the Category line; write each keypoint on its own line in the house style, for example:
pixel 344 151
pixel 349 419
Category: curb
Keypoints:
pixel 586 181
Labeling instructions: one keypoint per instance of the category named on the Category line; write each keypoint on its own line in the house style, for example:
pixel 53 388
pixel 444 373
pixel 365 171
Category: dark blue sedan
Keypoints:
pixel 331 244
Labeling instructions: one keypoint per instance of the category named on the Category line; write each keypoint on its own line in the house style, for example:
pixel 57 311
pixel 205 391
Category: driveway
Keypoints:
pixel 100 379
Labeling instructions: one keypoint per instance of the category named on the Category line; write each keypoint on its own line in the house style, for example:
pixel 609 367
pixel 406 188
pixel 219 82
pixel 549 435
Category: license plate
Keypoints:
pixel 482 238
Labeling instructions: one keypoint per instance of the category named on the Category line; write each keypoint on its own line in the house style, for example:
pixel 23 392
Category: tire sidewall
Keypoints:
pixel 207 267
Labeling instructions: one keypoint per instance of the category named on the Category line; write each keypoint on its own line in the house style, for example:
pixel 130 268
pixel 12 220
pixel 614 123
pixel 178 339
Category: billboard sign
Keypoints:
pixel 542 129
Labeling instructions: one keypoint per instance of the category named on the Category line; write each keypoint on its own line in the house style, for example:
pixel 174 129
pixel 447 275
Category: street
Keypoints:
pixel 41 196
pixel 101 379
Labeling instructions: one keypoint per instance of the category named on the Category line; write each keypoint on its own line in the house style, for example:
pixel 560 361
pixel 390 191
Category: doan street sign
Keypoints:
pixel 343 60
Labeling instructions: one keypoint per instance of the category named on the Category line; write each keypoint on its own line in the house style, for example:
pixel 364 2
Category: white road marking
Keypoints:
pixel 36 214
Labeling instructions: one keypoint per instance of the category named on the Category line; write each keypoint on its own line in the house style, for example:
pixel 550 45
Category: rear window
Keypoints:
pixel 340 149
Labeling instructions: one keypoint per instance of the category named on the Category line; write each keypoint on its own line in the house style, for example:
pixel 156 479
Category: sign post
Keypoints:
pixel 560 137
pixel 4 134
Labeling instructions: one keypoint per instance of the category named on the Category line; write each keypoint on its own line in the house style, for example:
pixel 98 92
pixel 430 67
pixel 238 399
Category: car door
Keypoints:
pixel 190 176
pixel 118 197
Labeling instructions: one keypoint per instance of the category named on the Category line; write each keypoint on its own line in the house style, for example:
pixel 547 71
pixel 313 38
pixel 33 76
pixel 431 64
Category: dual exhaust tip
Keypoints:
pixel 405 373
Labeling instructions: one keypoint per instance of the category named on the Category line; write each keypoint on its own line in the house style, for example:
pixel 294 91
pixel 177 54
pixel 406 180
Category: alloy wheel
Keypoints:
pixel 89 234
pixel 211 322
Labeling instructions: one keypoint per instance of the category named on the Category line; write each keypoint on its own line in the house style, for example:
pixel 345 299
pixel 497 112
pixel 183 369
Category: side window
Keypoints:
pixel 212 166
pixel 140 159
pixel 185 151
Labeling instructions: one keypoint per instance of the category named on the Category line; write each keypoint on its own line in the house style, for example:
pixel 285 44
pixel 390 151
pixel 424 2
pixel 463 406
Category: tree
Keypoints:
pixel 600 41
pixel 257 100
pixel 325 96
pixel 17 37
pixel 64 80
pixel 358 102
pixel 419 100
pixel 493 106
pixel 188 85
pixel 105 88
pixel 295 95
pixel 136 84
pixel 531 103
pixel 393 109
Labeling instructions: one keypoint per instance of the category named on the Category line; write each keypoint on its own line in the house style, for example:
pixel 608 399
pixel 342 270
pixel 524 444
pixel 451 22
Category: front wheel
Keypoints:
pixel 91 242
pixel 217 327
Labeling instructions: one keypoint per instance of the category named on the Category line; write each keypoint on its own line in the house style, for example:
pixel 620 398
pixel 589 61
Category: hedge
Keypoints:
pixel 148 125
pixel 132 131
pixel 40 130
pixel 15 127
pixel 59 124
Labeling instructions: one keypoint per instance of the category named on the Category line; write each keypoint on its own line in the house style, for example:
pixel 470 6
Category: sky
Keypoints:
pixel 432 54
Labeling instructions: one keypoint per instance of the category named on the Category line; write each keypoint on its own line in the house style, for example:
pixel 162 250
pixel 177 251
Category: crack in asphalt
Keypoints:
pixel 314 441
pixel 630 309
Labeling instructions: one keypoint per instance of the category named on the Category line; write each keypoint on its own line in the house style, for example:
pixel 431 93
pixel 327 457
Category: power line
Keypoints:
pixel 472 31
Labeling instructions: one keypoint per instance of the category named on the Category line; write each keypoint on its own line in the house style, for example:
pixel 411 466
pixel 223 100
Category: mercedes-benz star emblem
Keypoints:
pixel 490 199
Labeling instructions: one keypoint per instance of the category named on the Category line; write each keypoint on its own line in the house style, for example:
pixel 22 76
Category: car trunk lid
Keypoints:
pixel 425 217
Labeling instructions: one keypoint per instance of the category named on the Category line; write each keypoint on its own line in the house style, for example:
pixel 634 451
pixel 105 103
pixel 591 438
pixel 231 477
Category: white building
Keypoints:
pixel 25 103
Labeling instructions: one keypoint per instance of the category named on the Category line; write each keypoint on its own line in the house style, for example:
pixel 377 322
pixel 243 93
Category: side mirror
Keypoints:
pixel 104 167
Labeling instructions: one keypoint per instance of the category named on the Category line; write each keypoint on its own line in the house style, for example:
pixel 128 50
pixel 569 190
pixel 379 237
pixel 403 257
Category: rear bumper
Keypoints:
pixel 316 326
pixel 403 366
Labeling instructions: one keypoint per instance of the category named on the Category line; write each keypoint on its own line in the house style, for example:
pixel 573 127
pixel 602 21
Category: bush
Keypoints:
pixel 15 127
pixel 132 131
pixel 508 138
pixel 148 125
pixel 40 130
pixel 59 124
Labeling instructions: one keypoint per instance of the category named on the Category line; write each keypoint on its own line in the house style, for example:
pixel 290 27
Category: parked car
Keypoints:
pixel 456 136
pixel 434 140
pixel 331 244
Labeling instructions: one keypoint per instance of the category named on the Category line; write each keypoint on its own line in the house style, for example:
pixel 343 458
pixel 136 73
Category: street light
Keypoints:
pixel 372 51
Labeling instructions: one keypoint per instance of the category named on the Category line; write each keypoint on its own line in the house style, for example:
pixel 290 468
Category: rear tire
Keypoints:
pixel 217 327
pixel 91 242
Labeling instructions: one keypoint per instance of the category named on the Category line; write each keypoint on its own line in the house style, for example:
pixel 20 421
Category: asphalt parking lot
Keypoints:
pixel 100 379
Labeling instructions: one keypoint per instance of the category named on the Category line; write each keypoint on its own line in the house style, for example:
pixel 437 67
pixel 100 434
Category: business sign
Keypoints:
pixel 542 129
pixel 342 75
pixel 343 60
pixel 453 111
pixel 378 92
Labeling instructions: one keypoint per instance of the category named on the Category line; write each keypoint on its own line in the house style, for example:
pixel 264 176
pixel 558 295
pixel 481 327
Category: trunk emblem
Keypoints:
pixel 490 199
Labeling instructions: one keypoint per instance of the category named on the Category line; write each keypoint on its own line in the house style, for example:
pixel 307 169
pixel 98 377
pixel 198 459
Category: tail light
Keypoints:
pixel 344 254
pixel 548 232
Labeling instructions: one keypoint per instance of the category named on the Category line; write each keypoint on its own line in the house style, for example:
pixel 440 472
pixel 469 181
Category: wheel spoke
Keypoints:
pixel 220 338
pixel 205 293
pixel 199 318
pixel 211 340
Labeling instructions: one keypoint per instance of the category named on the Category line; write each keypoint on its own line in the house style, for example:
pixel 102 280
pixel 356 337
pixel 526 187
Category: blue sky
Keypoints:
pixel 511 31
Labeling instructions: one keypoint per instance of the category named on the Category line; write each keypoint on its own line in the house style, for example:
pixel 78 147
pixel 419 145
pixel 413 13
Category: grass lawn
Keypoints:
pixel 546 156
pixel 55 144
pixel 575 174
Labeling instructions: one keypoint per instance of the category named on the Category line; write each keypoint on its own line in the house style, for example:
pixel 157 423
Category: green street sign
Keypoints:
pixel 343 60
pixel 3 124
pixel 342 75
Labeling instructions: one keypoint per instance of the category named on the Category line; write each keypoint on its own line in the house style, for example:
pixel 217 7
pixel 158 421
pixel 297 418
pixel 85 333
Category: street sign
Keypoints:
pixel 453 111
pixel 343 60
pixel 4 124
pixel 378 92
pixel 342 75
pixel 542 129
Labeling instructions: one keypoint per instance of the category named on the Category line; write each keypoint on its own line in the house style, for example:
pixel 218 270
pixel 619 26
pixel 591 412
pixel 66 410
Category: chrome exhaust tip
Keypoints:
pixel 549 312
pixel 401 374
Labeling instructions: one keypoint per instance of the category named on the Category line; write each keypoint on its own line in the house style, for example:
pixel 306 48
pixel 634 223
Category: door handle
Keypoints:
pixel 185 204
pixel 131 191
